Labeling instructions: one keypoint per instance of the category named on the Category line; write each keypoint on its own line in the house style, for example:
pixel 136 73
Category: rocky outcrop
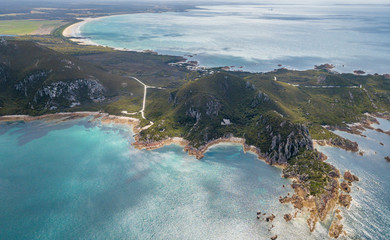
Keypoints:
pixel 270 218
pixel 345 200
pixel 213 106
pixel 340 143
pixel 282 149
pixel 28 85
pixel 259 98
pixel 173 99
pixel 325 66
pixel 345 187
pixel 318 206
pixel 348 176
pixel 336 228
pixel 4 73
pixel 365 123
pixel 287 217
pixel 387 158
pixel 69 94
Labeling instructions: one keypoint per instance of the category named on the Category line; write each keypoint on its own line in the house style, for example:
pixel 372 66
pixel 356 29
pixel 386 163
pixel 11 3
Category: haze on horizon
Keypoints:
pixel 313 2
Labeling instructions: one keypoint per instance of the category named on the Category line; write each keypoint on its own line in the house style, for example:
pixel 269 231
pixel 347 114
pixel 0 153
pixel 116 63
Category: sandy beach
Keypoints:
pixel 73 32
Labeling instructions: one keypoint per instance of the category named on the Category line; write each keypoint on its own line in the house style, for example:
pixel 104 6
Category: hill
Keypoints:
pixel 36 80
pixel 276 114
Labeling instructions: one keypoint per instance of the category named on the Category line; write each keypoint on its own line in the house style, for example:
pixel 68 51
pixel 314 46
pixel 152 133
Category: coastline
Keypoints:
pixel 106 118
pixel 73 33
pixel 318 207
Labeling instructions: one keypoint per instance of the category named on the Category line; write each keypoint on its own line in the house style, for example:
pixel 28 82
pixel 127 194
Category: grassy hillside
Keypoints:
pixel 32 67
pixel 278 112
pixel 24 27
pixel 320 97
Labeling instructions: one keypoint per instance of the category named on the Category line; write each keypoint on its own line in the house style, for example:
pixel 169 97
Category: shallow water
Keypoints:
pixel 258 37
pixel 369 214
pixel 83 180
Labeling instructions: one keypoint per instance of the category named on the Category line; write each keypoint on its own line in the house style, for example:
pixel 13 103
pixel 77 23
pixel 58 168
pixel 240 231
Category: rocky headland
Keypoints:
pixel 317 205
pixel 366 123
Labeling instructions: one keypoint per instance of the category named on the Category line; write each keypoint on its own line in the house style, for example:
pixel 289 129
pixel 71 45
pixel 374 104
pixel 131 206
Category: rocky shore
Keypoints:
pixel 364 124
pixel 339 143
pixel 318 206
pixel 199 152
pixel 322 205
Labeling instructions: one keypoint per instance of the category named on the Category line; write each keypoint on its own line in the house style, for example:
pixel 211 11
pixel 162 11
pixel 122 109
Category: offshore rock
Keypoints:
pixel 345 200
pixel 287 217
pixel 270 218
pixel 345 187
pixel 336 228
pixel 348 176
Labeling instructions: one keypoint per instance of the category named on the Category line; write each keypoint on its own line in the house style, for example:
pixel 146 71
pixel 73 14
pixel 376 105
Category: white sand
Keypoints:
pixel 73 32
pixel 74 29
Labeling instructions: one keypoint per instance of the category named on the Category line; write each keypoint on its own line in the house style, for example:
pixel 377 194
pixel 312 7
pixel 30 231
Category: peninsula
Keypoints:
pixel 279 115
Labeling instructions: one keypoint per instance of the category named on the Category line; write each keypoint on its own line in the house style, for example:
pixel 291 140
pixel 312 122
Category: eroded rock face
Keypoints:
pixel 69 94
pixel 283 149
pixel 4 73
pixel 259 98
pixel 213 106
pixel 172 99
pixel 26 86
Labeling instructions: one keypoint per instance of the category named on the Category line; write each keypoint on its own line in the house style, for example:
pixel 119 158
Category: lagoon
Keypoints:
pixel 257 38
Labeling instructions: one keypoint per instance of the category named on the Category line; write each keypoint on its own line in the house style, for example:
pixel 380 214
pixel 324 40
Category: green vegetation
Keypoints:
pixel 24 27
pixel 123 103
pixel 317 132
pixel 32 67
pixel 278 112
pixel 308 167
pixel 313 102
pixel 63 45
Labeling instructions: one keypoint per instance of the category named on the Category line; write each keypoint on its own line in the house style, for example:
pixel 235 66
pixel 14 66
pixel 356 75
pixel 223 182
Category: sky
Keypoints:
pixel 221 1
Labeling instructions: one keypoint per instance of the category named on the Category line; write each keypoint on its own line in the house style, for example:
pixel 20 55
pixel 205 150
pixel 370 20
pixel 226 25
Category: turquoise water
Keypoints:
pixel 258 37
pixel 83 180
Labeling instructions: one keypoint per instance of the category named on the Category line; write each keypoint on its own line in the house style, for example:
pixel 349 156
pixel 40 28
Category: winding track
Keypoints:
pixel 142 111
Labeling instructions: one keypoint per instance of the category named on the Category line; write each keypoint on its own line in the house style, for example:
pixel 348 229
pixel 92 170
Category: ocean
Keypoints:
pixel 257 38
pixel 83 180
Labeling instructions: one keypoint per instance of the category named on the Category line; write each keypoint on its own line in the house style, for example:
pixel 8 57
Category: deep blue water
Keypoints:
pixel 83 180
pixel 258 37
